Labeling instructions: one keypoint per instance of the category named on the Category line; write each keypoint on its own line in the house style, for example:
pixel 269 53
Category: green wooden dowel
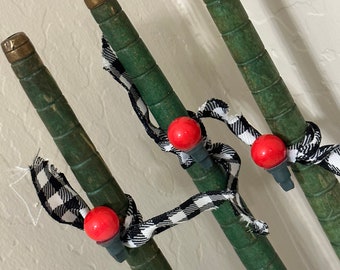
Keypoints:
pixel 254 251
pixel 73 142
pixel 320 186
pixel 145 73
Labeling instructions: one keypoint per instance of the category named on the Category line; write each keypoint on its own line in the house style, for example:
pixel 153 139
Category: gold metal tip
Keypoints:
pixel 91 4
pixel 17 46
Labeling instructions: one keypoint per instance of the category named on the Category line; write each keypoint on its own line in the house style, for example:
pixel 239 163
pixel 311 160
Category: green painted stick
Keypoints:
pixel 321 187
pixel 73 142
pixel 255 252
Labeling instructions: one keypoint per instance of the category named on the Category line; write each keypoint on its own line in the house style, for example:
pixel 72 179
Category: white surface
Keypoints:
pixel 303 40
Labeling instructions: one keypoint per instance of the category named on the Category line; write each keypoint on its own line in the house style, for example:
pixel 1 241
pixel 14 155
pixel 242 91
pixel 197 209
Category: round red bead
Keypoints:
pixel 101 223
pixel 184 133
pixel 268 151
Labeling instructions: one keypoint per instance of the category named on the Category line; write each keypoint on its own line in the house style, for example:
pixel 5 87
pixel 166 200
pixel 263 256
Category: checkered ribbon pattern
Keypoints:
pixel 56 195
pixel 64 205
pixel 309 151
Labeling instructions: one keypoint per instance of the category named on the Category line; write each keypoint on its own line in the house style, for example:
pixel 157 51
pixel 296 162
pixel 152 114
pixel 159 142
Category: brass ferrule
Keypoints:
pixel 17 47
pixel 91 4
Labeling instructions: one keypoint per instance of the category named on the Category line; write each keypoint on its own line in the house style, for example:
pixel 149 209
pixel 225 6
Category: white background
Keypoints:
pixel 301 36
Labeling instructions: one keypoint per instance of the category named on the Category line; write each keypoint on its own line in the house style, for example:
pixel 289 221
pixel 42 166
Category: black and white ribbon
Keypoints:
pixel 221 153
pixel 137 232
pixel 56 195
pixel 309 151
pixel 64 205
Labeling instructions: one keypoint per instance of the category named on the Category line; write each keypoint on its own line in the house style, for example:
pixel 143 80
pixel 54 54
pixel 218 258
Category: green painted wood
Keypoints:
pixel 79 152
pixel 145 73
pixel 255 252
pixel 321 187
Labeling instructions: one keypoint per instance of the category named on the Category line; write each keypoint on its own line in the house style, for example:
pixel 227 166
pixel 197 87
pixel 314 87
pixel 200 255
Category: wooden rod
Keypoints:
pixel 254 251
pixel 79 152
pixel 320 186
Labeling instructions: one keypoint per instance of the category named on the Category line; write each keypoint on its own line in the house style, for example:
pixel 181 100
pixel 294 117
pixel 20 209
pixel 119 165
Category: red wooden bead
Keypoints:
pixel 268 151
pixel 184 133
pixel 101 223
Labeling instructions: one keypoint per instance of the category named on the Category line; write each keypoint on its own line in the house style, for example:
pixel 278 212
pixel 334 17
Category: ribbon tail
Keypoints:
pixel 56 195
pixel 138 234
